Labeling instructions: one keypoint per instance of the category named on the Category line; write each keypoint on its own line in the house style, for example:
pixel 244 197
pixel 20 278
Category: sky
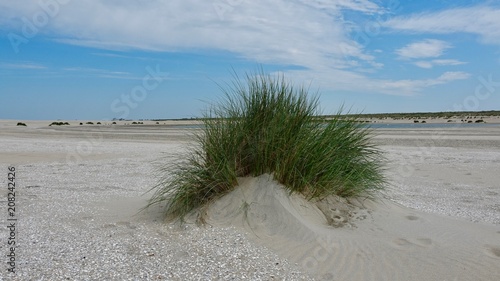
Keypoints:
pixel 138 59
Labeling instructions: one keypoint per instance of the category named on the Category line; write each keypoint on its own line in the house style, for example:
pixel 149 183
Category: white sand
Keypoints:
pixel 384 241
pixel 80 187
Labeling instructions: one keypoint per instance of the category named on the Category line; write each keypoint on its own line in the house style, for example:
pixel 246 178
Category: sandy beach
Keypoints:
pixel 79 190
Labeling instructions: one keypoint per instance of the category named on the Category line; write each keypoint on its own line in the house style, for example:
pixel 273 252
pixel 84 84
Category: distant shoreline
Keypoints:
pixel 492 117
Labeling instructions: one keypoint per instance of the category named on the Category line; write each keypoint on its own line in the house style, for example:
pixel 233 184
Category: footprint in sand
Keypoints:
pixel 424 242
pixel 412 218
pixel 405 243
pixel 401 242
pixel 118 224
pixel 127 224
pixel 109 225
pixel 493 251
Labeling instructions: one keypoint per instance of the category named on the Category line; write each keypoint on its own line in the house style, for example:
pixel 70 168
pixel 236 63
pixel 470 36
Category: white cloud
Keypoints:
pixel 355 5
pixel 429 48
pixel 424 64
pixel 307 33
pixel 481 20
pixel 424 49
pixel 447 62
pixel 22 65
pixel 432 63
pixel 98 72
pixel 449 76
pixel 353 82
pixel 266 31
pixel 410 87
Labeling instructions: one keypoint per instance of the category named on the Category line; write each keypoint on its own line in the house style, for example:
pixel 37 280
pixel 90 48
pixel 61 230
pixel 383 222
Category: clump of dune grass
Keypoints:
pixel 266 125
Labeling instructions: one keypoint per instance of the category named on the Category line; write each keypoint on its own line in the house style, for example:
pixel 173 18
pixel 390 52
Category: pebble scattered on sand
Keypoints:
pixel 66 231
pixel 75 224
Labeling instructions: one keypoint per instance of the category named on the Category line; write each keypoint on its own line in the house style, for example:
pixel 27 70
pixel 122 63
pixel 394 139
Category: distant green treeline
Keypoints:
pixel 418 115
pixel 414 115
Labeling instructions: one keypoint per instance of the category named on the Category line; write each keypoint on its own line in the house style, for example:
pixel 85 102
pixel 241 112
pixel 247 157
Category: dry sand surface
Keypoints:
pixel 79 190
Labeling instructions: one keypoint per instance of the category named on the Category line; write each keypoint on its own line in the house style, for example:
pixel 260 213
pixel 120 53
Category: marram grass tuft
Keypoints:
pixel 265 125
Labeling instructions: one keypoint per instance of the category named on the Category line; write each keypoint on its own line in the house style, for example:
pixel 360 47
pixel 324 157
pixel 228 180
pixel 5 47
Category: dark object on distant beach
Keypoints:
pixel 449 121
pixel 114 123
pixel 98 123
pixel 81 123
pixel 415 121
pixel 134 123
pixel 480 121
pixel 423 122
pixel 89 123
pixel 470 121
pixel 21 124
pixel 157 123
pixel 59 123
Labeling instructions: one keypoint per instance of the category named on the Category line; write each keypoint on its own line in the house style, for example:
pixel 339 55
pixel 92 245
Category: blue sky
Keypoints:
pixel 96 59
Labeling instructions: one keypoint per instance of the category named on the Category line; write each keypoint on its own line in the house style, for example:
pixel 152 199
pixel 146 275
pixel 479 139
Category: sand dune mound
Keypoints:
pixel 265 207
pixel 339 240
